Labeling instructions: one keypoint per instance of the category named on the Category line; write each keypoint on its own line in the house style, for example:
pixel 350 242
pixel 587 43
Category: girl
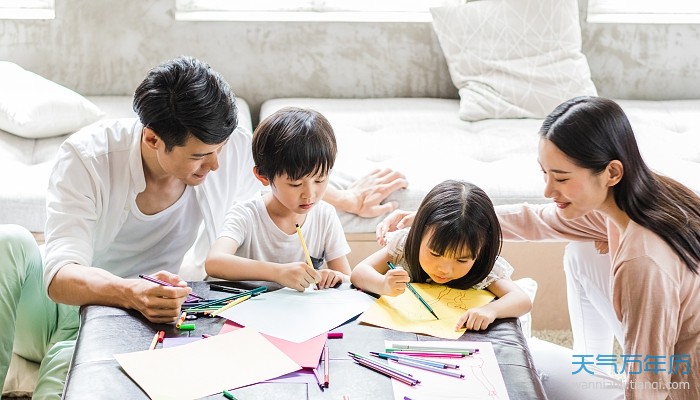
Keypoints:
pixel 455 241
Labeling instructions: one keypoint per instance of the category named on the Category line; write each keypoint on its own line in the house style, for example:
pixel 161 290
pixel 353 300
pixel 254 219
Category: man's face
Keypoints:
pixel 192 162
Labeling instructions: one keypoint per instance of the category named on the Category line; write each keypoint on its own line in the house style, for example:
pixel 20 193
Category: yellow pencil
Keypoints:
pixel 181 319
pixel 306 250
pixel 229 305
pixel 154 342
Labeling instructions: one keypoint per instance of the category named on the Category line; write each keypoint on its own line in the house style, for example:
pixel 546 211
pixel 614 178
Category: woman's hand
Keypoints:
pixel 398 219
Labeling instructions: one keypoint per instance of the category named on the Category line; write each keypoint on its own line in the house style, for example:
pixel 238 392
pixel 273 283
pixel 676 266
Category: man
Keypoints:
pixel 127 197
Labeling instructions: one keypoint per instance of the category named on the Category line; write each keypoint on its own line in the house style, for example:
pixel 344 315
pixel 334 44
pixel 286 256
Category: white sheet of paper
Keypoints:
pixel 206 367
pixel 299 316
pixel 482 376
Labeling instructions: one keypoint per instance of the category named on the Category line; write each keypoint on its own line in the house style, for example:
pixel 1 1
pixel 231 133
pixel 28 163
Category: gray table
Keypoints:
pixel 105 331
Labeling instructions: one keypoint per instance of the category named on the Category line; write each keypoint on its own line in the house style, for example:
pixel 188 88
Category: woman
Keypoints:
pixel 604 191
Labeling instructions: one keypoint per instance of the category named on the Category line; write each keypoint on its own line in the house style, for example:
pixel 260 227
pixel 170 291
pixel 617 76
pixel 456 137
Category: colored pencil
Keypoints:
pixel 306 250
pixel 429 368
pixel 437 364
pixel 415 293
pixel 211 303
pixel 229 305
pixel 387 372
pixel 429 354
pixel 326 367
pixel 154 342
pixel 220 288
pixel 413 347
pixel 386 367
pixel 164 283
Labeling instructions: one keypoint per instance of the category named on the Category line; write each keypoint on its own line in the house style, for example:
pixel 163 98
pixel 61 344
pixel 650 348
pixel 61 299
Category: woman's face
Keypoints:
pixel 575 190
pixel 441 268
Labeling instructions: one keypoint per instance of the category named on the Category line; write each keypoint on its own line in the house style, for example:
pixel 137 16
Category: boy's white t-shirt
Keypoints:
pixel 258 238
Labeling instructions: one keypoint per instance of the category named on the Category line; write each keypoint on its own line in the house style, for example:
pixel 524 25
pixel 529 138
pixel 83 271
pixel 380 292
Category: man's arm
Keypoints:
pixel 79 285
pixel 364 197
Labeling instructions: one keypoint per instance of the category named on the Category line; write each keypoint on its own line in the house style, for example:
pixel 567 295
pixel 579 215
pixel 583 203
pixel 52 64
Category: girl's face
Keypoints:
pixel 575 190
pixel 443 269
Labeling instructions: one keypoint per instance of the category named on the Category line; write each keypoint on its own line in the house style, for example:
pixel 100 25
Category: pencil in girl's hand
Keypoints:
pixel 415 293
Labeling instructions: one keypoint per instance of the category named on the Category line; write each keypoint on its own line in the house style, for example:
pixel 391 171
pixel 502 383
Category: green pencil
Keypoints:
pixel 413 290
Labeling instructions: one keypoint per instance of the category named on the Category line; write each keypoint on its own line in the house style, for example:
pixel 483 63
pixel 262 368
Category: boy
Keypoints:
pixel 294 151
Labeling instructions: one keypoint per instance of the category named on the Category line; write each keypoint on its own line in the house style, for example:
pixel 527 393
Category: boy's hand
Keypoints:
pixel 159 304
pixel 478 318
pixel 330 278
pixel 297 276
pixel 395 281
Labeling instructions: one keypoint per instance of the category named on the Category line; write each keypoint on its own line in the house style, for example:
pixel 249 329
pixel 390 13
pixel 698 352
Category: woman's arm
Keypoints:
pixel 512 302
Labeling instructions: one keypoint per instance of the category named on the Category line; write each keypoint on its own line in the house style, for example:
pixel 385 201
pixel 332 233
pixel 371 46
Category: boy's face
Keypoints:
pixel 299 196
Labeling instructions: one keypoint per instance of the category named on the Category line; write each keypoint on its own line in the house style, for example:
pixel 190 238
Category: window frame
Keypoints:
pixel 643 11
pixel 27 9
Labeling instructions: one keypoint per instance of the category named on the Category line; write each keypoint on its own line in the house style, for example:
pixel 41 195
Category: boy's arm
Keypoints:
pixel 364 197
pixel 223 263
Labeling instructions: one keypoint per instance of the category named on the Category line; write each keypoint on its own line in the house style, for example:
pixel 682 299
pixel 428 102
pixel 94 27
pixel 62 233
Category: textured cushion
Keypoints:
pixel 422 139
pixel 34 107
pixel 513 59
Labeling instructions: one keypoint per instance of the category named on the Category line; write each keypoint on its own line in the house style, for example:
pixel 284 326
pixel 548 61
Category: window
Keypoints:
pixel 308 10
pixel 644 11
pixel 27 9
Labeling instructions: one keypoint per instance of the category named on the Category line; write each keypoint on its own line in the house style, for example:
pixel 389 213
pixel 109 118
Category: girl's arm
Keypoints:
pixel 223 263
pixel 511 302
pixel 373 275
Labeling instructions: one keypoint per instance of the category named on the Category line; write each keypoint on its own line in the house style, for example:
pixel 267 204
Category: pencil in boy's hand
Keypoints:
pixel 164 283
pixel 415 293
pixel 306 250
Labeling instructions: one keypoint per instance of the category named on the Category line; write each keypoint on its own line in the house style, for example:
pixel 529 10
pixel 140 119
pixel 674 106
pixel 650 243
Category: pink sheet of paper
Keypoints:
pixel 305 353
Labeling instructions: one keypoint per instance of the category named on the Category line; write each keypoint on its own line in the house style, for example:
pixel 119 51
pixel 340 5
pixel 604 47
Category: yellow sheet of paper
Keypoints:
pixel 406 313
pixel 207 366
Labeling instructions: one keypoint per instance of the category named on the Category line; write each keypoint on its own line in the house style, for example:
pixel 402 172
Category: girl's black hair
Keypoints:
pixel 462 220
pixel 592 132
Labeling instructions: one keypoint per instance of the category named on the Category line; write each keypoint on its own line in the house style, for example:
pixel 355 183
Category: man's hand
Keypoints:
pixel 398 219
pixel 364 197
pixel 159 304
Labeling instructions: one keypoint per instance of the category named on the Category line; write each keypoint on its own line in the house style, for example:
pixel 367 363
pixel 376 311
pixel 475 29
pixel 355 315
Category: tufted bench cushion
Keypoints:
pixel 425 139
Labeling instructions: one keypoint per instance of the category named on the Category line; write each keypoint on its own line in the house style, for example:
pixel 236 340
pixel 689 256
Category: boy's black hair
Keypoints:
pixel 184 97
pixel 296 142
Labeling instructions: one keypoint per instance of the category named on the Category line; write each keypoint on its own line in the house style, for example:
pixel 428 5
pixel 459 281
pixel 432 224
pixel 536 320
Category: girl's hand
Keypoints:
pixel 395 281
pixel 476 319
pixel 330 278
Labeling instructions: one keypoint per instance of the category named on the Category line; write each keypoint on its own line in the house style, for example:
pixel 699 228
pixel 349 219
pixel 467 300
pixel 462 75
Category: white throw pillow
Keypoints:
pixel 34 107
pixel 513 58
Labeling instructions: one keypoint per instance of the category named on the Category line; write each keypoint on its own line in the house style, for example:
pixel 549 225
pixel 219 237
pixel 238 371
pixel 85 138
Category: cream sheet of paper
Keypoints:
pixel 482 376
pixel 228 361
pixel 406 313
pixel 299 316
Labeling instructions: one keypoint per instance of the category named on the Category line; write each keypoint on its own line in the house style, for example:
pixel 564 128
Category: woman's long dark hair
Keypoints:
pixel 462 218
pixel 592 131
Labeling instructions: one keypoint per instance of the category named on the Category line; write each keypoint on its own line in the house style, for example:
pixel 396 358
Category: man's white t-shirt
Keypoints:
pixel 164 236
pixel 258 238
